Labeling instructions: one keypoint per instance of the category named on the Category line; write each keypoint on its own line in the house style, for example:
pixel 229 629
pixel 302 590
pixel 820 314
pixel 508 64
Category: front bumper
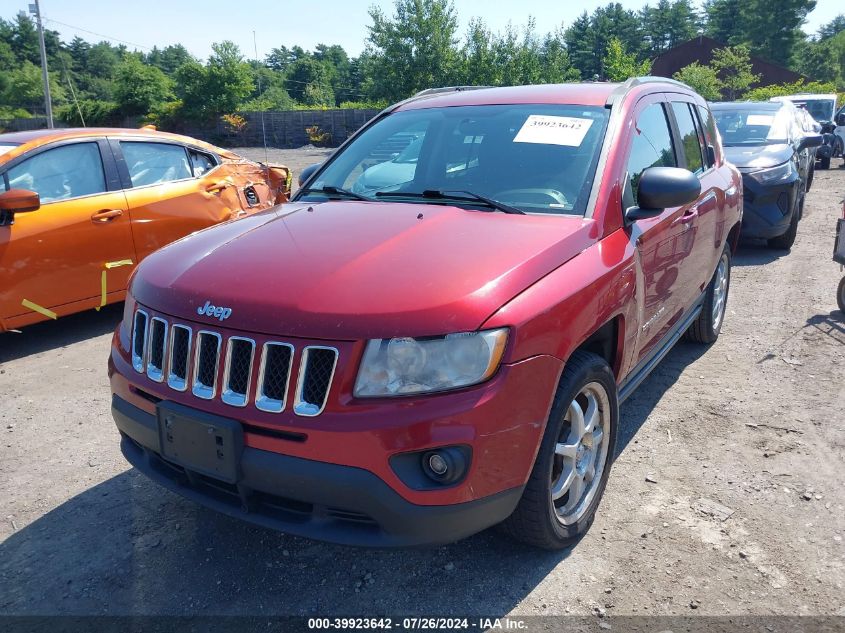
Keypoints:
pixel 330 502
pixel 768 207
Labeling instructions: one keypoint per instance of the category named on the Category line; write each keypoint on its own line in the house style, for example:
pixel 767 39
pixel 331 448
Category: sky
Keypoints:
pixel 195 25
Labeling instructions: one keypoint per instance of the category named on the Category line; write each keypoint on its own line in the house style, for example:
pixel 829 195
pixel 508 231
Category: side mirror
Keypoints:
pixel 810 140
pixel 662 188
pixel 306 173
pixel 17 201
pixel 840 119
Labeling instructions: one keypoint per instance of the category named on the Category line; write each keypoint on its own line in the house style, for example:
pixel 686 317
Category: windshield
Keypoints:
pixel 535 158
pixel 819 109
pixel 754 126
pixel 6 147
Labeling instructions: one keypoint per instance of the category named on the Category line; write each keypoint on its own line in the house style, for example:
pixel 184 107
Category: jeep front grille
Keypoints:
pixel 238 371
pixel 139 341
pixel 206 363
pixel 180 348
pixel 315 376
pixel 157 349
pixel 174 351
pixel 274 376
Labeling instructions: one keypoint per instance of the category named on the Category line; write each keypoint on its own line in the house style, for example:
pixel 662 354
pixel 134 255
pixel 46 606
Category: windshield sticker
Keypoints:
pixel 553 130
pixel 759 119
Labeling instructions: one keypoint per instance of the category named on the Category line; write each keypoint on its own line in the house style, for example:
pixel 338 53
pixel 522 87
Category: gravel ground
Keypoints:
pixel 727 497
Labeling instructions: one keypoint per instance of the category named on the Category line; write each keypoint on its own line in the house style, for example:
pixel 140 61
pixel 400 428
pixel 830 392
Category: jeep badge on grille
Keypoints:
pixel 214 311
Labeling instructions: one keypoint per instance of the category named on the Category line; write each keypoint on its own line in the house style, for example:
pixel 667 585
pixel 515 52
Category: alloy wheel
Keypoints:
pixel 720 292
pixel 581 453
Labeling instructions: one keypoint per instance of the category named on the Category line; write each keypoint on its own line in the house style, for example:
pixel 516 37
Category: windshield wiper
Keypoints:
pixel 468 196
pixel 337 191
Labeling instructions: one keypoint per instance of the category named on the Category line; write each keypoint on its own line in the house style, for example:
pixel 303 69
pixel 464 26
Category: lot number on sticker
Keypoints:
pixel 553 130
pixel 759 119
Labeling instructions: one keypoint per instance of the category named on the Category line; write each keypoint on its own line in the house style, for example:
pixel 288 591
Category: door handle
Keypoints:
pixel 106 215
pixel 688 216
pixel 218 186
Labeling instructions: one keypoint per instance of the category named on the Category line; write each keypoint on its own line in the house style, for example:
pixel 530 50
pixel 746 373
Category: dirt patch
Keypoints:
pixel 726 498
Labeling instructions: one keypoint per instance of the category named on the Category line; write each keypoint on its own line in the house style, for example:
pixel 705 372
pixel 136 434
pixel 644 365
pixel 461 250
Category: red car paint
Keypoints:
pixel 343 272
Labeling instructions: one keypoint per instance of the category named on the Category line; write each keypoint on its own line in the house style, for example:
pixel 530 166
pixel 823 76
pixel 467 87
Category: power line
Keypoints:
pixel 113 39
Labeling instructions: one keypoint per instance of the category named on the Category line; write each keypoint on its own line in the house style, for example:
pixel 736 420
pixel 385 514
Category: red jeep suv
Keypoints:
pixel 434 336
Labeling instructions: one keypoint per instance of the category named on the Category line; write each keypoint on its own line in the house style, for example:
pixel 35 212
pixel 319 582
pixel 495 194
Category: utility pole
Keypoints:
pixel 35 9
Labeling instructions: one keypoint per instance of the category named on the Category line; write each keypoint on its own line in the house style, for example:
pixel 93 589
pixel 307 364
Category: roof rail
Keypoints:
pixel 633 82
pixel 436 91
pixel 432 92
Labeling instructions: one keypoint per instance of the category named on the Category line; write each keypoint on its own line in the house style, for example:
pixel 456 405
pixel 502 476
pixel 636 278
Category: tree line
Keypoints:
pixel 418 45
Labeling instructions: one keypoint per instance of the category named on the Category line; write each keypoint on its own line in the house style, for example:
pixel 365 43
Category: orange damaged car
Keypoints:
pixel 80 208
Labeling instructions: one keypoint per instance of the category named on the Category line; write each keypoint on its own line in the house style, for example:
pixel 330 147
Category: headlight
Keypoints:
pixel 402 366
pixel 781 172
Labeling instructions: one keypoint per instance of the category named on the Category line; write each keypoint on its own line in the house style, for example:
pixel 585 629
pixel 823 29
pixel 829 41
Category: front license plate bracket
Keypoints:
pixel 206 444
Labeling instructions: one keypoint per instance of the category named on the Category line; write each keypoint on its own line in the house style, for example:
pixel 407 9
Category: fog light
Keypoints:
pixel 437 464
pixel 445 465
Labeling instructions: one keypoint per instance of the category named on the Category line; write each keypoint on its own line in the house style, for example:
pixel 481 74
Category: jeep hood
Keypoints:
pixel 345 270
pixel 758 156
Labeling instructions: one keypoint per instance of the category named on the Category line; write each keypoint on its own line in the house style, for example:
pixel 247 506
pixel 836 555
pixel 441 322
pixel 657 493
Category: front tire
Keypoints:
pixel 824 163
pixel 706 328
pixel 570 472
pixel 840 295
pixel 785 241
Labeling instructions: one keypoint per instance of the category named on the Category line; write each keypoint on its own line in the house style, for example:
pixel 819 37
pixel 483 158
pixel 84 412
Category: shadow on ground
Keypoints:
pixel 49 335
pixel 756 253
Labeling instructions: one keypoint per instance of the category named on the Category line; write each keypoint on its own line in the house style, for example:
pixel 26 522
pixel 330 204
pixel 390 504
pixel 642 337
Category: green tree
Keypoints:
pixel 620 65
pixel 588 37
pixel 725 21
pixel 764 93
pixel 416 48
pixel 833 28
pixel 733 66
pixel 478 57
pixel 139 87
pixel 668 24
pixel 703 79
pixel 554 60
pixel 773 27
pixel 24 88
pixel 217 88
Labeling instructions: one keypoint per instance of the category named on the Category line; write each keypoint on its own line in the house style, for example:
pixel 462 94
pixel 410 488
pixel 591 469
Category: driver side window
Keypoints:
pixel 67 171
pixel 650 147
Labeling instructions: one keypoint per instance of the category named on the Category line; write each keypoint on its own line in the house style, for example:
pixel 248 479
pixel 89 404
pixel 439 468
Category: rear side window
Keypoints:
pixel 68 171
pixel 153 163
pixel 690 140
pixel 201 163
pixel 709 124
pixel 650 147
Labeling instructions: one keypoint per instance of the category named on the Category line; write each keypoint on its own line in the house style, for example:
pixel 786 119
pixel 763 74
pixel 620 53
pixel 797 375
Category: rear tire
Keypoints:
pixel 706 328
pixel 811 176
pixel 840 295
pixel 578 446
pixel 824 163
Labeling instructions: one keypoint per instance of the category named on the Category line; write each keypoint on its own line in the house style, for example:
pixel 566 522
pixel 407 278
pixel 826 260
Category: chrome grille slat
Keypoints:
pixel 178 354
pixel 139 340
pixel 274 377
pixel 237 373
pixel 316 372
pixel 206 364
pixel 156 349
pixel 184 356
